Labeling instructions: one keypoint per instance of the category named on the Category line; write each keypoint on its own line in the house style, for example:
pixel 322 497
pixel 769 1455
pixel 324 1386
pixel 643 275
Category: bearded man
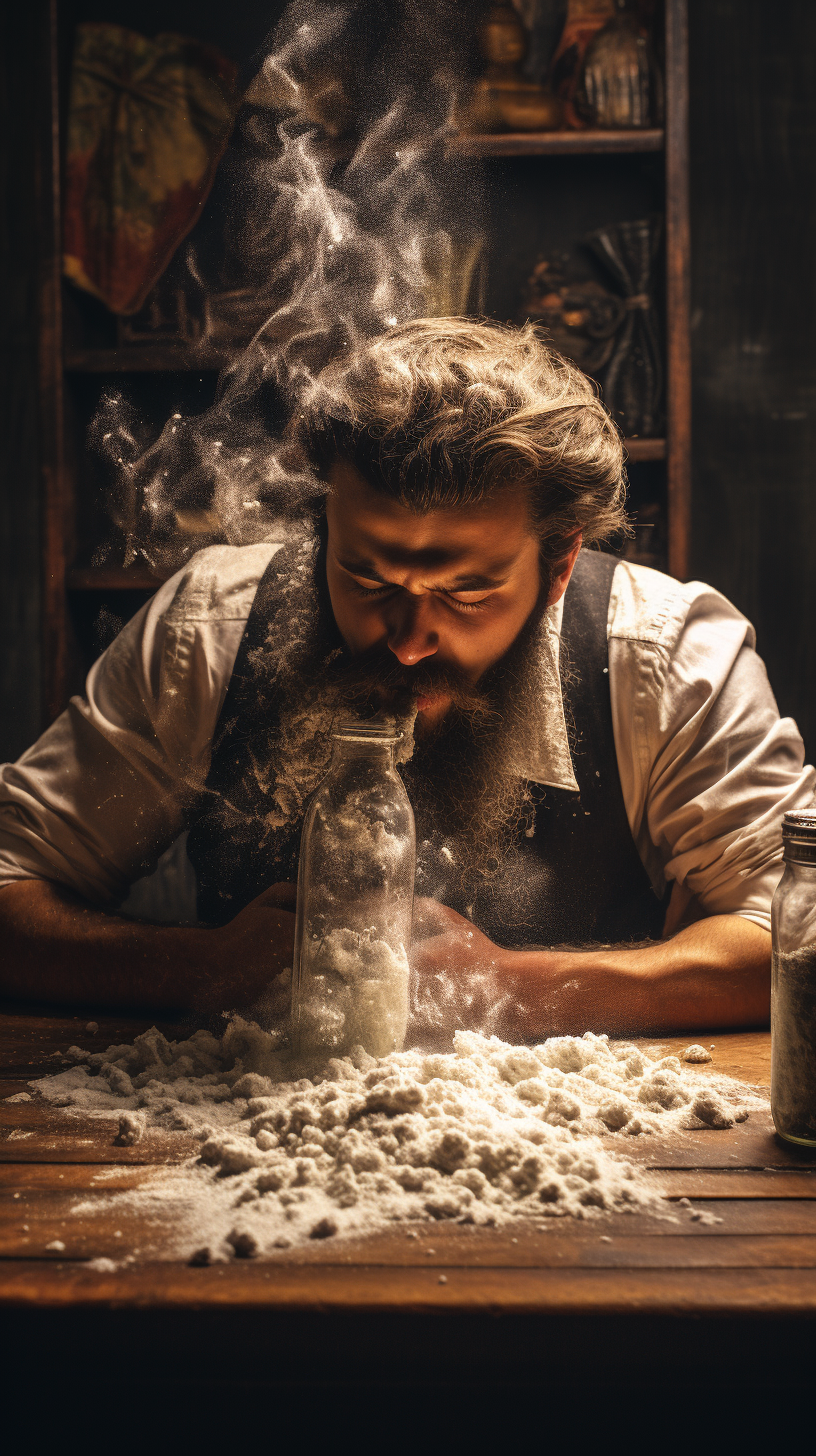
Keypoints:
pixel 599 770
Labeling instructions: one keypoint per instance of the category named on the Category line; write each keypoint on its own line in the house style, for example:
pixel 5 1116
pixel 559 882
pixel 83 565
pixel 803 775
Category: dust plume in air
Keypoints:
pixel 342 195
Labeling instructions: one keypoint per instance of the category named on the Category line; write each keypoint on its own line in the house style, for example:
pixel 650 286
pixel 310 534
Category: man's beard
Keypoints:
pixel 468 797
pixel 374 681
pixel 470 800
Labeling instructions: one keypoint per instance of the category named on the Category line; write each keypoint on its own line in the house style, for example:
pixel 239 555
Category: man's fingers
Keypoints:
pixel 283 896
pixel 431 918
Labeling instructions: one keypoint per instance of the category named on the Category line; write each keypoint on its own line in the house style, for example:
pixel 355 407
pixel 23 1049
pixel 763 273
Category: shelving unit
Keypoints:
pixel 558 143
pixel 144 359
pixel 72 587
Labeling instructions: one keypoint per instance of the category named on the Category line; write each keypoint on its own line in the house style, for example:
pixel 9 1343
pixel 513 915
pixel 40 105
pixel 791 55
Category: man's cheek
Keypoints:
pixel 361 626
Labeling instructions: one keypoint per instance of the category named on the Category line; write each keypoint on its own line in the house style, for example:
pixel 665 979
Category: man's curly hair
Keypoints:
pixel 443 412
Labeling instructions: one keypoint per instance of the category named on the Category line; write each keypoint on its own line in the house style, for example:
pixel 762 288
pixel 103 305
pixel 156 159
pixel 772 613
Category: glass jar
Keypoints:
pixel 355 902
pixel 793 985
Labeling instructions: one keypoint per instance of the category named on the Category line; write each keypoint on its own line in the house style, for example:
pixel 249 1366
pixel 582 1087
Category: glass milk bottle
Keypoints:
pixel 355 902
pixel 793 985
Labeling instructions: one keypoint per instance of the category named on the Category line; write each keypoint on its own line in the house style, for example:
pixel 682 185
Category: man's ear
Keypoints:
pixel 563 571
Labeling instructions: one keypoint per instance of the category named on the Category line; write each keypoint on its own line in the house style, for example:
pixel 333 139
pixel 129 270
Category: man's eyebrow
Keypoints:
pixel 363 568
pixel 464 582
pixel 476 582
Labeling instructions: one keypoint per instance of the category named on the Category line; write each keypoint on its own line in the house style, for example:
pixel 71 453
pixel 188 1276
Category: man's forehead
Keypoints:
pixel 370 527
pixel 490 573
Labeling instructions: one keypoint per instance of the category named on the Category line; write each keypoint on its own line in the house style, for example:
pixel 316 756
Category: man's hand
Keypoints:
pixel 57 947
pixel 713 973
pixel 456 977
pixel 252 949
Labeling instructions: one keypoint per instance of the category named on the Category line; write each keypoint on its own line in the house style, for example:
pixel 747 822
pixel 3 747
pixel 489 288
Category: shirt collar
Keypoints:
pixel 545 757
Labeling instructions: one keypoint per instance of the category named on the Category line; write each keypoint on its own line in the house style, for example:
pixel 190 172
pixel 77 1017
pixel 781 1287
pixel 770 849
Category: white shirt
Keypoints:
pixel 706 764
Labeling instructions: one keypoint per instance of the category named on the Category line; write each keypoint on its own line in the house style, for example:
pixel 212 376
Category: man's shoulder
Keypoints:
pixel 217 584
pixel 651 607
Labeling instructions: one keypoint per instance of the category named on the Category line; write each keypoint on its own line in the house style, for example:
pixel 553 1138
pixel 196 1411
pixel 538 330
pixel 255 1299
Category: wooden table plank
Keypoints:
pixel 509 1291
pixel 773 1251
pixel 752 1144
pixel 737 1183
pixel 38 1132
pixel 81 1177
pixel 745 1055
pixel 115 1229
pixel 30 1037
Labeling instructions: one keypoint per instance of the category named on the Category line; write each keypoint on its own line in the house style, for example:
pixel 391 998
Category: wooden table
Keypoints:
pixel 600 1305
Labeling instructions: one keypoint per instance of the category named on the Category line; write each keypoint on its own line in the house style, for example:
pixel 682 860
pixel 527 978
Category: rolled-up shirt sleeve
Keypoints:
pixel 708 767
pixel 109 785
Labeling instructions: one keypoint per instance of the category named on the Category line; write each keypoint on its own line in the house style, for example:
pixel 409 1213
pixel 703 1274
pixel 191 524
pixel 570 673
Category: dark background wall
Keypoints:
pixel 753 158
pixel 753 189
pixel 20 663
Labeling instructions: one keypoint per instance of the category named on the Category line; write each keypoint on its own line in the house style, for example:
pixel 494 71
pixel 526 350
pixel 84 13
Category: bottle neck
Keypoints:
pixel 800 868
pixel 347 751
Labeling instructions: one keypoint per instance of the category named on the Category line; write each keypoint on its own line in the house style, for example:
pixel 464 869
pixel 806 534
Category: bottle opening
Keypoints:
pixel 799 835
pixel 373 731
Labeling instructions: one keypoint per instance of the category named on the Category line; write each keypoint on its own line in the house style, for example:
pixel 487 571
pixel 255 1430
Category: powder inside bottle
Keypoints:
pixel 793 1040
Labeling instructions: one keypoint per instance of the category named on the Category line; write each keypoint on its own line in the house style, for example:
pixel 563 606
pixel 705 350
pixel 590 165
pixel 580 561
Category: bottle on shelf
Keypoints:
pixel 620 86
pixel 503 99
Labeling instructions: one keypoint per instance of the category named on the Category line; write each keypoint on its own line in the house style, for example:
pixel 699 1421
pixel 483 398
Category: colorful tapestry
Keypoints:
pixel 148 122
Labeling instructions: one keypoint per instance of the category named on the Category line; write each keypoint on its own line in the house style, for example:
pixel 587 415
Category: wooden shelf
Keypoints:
pixel 114 578
pixel 556 143
pixel 145 359
pixel 641 449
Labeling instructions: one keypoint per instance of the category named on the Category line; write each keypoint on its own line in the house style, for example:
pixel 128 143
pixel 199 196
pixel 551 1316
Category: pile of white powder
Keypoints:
pixel 486 1134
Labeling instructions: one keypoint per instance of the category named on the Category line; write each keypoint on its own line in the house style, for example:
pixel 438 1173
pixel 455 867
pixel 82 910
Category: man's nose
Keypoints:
pixel 411 632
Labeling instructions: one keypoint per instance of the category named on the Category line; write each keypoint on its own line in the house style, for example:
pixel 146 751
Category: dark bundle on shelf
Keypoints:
pixel 581 315
pixel 633 377
pixel 609 327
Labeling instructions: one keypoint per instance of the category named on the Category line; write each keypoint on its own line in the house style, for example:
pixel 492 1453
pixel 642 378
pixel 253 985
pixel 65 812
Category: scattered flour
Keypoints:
pixel 696 1053
pixel 486 1134
pixel 131 1129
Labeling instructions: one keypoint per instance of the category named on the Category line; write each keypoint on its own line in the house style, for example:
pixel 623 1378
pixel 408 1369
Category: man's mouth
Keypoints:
pixel 375 673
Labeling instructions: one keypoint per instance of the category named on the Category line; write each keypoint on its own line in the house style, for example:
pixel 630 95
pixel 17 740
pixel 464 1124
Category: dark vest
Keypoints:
pixel 577 880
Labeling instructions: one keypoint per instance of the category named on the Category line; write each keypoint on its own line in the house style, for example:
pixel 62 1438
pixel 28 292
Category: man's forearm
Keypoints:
pixel 56 947
pixel 714 973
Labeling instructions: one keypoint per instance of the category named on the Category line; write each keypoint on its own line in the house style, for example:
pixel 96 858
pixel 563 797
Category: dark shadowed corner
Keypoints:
pixel 20 576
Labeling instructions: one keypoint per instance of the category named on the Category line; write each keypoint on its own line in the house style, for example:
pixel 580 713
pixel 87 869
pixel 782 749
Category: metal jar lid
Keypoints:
pixel 799 836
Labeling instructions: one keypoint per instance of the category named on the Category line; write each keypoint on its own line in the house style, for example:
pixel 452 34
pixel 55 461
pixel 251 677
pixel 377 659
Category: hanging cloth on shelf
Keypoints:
pixel 148 122
pixel 633 378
